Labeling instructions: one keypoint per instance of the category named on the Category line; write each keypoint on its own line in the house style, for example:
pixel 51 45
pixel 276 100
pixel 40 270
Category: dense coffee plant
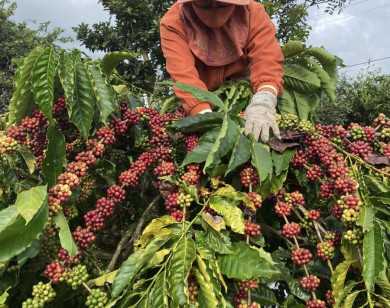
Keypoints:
pixel 106 202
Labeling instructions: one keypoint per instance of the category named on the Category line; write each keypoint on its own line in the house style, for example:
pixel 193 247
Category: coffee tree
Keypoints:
pixel 108 202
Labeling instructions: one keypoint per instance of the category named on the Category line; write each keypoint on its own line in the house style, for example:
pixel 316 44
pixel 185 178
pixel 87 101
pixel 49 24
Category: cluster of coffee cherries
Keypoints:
pixel 193 291
pixel 76 276
pixel 96 299
pixel 32 133
pixel 242 295
pixel 42 294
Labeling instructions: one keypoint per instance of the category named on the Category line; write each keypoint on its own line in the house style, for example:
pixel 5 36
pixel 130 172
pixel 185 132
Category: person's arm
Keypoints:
pixel 264 53
pixel 266 70
pixel 180 64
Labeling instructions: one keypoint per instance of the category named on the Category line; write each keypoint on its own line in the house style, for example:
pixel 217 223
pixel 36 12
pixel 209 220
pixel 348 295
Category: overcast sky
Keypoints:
pixel 359 34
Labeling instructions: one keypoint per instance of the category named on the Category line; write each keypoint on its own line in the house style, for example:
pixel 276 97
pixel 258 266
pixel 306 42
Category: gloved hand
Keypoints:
pixel 204 111
pixel 260 116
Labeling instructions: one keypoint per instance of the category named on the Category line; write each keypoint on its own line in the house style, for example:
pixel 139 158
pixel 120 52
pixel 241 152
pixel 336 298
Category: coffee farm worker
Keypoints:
pixel 208 42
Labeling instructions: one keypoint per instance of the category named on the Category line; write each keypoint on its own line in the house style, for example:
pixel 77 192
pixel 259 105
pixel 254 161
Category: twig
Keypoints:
pixel 86 287
pixel 118 250
pixel 266 227
pixel 92 261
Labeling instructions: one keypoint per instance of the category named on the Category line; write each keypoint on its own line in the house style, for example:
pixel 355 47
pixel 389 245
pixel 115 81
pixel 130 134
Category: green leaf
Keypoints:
pixel 303 103
pixel 224 142
pixel 102 280
pixel 349 301
pixel 199 94
pixel 31 252
pixel 112 59
pixel 261 160
pixel 28 202
pixel 286 103
pixel 179 269
pixel 66 237
pixel 105 95
pixel 215 221
pixel 135 262
pixel 4 297
pixel 264 296
pixel 366 217
pixel 28 157
pixel 246 262
pixel 8 217
pixel 375 184
pixel 22 101
pixel 199 154
pixel 240 154
pixel 327 84
pixel 81 109
pixel 301 79
pixel 385 286
pixel 327 60
pixel 292 48
pixel 338 277
pixel 297 290
pixel 231 213
pixel 216 241
pixel 198 122
pixel 373 256
pixel 206 292
pixel 66 74
pixel 43 82
pixel 16 236
pixel 53 161
pixel 156 228
pixel 281 161
pixel 160 292
pixel 344 293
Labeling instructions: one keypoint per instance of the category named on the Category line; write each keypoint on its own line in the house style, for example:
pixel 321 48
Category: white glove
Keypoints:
pixel 260 116
pixel 204 111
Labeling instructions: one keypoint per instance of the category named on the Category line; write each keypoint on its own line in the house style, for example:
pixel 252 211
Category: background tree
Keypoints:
pixel 358 99
pixel 16 41
pixel 134 27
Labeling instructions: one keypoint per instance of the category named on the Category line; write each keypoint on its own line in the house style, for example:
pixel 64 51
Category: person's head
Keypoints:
pixel 214 13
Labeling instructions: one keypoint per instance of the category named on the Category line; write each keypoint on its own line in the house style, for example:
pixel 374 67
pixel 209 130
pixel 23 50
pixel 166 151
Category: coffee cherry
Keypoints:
pixel 256 199
pixel 63 255
pixel 33 303
pixel 315 304
pixel 247 285
pixel 282 208
pixel 192 141
pixel 70 179
pixel 295 198
pixel 288 122
pixel 329 298
pixel 76 276
pixel 129 178
pixel 349 217
pixel 166 168
pixel 116 193
pixel 184 199
pixel 361 149
pixel 55 271
pixel 43 292
pixel 251 229
pixel 337 211
pixel 325 251
pixel 106 134
pixel 118 126
pixel 314 173
pixel 191 177
pixel 299 160
pixel 105 206
pixel 94 220
pixel 249 177
pixel 83 237
pixel 291 229
pixel 301 256
pixel 96 299
pixel 306 126
pixel 334 238
pixel 193 291
pixel 313 215
pixel 310 283
pixel 131 117
pixel 355 236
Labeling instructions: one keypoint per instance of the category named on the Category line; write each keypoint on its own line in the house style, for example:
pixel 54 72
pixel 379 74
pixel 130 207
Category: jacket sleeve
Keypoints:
pixel 180 64
pixel 264 52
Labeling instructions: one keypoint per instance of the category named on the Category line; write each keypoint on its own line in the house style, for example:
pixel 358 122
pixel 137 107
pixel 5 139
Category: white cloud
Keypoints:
pixel 357 35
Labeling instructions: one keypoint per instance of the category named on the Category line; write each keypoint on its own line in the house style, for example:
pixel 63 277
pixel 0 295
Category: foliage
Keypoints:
pixel 149 209
pixel 17 40
pixel 358 99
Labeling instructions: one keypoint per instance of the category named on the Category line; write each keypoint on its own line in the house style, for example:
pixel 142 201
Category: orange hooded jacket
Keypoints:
pixel 262 59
